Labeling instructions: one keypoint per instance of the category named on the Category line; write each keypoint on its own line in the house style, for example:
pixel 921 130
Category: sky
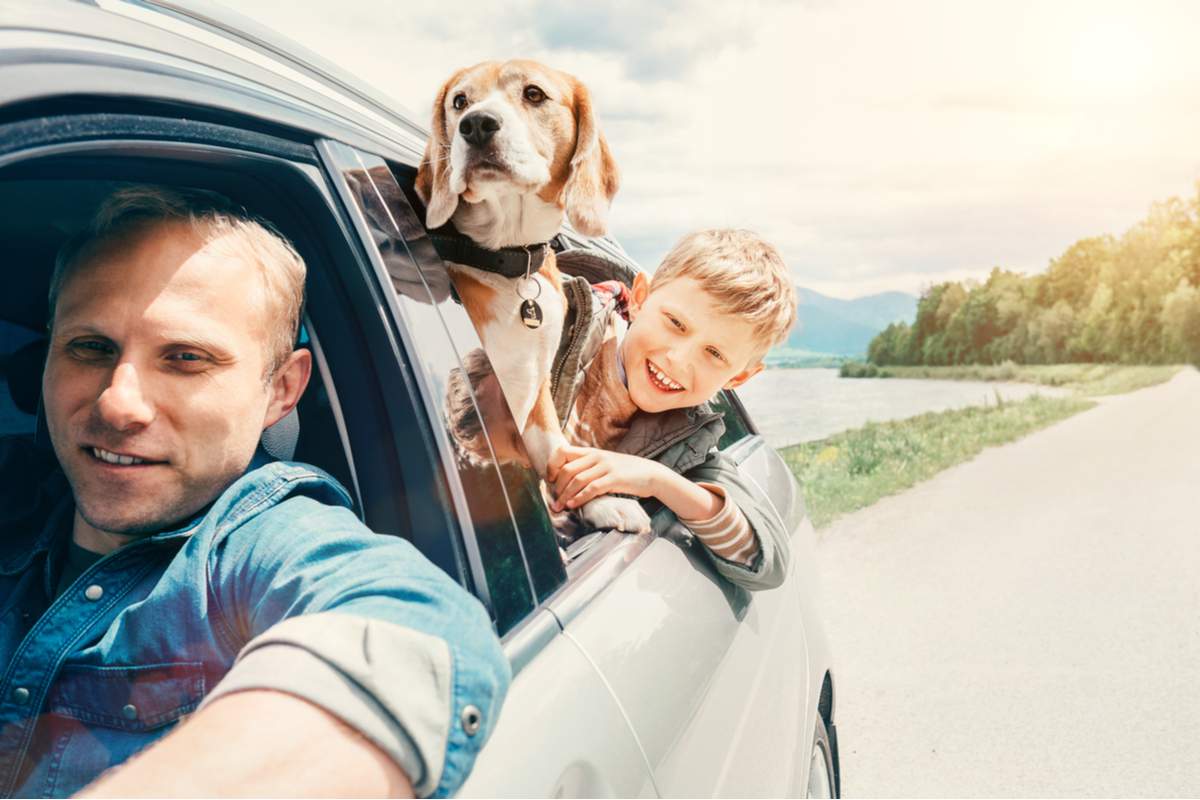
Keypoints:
pixel 880 146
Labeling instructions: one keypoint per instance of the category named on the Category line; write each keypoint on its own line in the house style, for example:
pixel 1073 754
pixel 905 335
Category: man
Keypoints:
pixel 176 567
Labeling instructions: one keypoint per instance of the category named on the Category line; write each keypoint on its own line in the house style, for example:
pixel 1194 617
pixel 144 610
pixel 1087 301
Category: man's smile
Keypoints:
pixel 110 458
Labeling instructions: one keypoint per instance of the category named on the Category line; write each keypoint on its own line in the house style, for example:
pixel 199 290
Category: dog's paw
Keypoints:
pixel 615 513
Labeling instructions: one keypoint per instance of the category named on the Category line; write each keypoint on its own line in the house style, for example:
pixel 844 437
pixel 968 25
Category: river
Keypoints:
pixel 800 405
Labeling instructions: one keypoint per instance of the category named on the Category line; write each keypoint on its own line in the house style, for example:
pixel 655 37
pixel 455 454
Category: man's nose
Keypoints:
pixel 478 128
pixel 123 404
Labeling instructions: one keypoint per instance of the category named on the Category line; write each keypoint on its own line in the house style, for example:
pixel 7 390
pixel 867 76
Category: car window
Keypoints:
pixel 511 539
pixel 21 353
pixel 737 424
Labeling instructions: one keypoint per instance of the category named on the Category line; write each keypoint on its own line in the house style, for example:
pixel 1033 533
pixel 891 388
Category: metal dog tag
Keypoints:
pixel 531 314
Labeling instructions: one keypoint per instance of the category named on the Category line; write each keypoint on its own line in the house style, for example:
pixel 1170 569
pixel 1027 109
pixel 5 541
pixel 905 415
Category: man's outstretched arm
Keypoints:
pixel 258 743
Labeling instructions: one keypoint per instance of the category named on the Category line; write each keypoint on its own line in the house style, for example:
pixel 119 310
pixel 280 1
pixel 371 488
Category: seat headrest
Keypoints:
pixel 23 372
pixel 595 267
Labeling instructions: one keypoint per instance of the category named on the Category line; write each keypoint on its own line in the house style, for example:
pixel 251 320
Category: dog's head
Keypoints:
pixel 517 128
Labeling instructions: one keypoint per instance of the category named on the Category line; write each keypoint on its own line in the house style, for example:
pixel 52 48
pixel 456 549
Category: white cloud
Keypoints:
pixel 878 144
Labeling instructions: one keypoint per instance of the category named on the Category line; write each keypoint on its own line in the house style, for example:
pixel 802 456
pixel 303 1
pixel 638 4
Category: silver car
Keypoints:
pixel 638 672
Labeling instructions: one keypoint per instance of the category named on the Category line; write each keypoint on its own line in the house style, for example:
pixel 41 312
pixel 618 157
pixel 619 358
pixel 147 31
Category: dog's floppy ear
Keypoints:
pixel 594 179
pixel 433 176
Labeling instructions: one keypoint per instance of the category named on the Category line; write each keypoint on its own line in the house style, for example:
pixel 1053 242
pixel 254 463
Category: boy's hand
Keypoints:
pixel 579 474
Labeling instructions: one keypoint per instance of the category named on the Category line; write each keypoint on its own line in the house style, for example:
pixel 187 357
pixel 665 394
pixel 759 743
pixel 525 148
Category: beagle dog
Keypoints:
pixel 514 147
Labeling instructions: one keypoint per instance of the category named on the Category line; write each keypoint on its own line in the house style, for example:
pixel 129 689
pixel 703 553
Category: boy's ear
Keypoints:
pixel 638 293
pixel 743 376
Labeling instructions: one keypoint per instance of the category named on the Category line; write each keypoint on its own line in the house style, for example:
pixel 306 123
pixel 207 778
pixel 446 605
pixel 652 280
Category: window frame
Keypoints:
pixel 402 222
pixel 377 436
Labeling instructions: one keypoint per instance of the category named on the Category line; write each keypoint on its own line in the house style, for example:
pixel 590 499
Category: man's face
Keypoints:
pixel 681 348
pixel 502 430
pixel 154 389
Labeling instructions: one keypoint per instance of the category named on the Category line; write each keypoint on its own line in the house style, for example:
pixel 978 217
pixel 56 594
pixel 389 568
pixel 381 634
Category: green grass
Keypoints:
pixel 854 469
pixel 1087 380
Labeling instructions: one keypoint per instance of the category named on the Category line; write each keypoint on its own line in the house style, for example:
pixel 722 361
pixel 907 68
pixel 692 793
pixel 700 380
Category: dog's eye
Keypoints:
pixel 533 94
pixel 460 101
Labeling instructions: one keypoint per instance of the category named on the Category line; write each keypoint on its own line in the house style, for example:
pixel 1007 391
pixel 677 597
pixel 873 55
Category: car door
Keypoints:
pixel 560 733
pixel 713 678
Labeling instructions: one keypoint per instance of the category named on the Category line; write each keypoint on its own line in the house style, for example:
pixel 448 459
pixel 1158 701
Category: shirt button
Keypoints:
pixel 20 695
pixel 471 719
pixel 129 711
pixel 94 592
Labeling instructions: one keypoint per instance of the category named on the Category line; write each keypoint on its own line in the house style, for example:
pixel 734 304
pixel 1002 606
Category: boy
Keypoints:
pixel 631 381
pixel 645 362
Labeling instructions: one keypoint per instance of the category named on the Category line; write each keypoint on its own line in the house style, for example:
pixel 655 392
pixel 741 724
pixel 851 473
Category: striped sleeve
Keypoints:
pixel 726 534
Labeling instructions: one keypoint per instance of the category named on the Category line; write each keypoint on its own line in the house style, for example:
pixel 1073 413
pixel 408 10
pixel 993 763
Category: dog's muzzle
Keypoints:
pixel 478 128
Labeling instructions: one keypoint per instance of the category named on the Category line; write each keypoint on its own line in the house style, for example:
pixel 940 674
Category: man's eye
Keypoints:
pixel 460 101
pixel 90 350
pixel 187 359
pixel 534 94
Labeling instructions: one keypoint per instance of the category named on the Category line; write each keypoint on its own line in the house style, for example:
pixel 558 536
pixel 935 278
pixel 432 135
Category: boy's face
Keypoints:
pixel 682 347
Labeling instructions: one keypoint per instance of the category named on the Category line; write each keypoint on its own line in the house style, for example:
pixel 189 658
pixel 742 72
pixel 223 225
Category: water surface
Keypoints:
pixel 800 405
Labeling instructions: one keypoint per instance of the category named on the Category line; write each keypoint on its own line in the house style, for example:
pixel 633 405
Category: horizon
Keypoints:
pixel 880 147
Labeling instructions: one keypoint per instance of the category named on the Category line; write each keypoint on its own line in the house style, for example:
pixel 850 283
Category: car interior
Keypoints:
pixel 39 216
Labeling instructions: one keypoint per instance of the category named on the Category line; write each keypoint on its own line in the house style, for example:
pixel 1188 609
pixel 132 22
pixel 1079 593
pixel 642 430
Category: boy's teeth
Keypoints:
pixel 662 376
pixel 113 458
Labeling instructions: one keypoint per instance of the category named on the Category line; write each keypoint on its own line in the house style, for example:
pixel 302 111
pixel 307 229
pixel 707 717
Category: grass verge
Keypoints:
pixel 1088 380
pixel 853 469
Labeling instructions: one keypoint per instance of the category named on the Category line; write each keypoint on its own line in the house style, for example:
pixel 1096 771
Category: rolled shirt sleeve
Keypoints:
pixel 392 684
pixel 364 626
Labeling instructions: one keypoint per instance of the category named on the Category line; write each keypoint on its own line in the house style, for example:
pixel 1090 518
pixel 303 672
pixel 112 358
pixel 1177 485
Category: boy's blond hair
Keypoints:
pixel 743 273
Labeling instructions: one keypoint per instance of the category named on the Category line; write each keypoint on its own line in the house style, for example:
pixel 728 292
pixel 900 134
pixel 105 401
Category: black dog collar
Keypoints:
pixel 511 262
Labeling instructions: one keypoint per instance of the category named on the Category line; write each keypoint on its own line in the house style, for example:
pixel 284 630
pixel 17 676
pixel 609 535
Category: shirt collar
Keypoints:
pixel 22 539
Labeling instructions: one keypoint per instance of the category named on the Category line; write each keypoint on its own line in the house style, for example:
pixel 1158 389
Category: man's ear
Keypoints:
pixel 287 385
pixel 433 176
pixel 743 376
pixel 638 293
pixel 594 179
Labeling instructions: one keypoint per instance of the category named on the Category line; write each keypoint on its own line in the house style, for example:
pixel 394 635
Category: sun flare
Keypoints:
pixel 1109 58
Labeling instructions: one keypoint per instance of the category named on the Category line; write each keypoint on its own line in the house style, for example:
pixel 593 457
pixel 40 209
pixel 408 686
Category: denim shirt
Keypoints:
pixel 143 635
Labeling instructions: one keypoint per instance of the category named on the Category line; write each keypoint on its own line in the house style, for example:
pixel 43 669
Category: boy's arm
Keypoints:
pixel 583 473
pixel 727 533
pixel 770 567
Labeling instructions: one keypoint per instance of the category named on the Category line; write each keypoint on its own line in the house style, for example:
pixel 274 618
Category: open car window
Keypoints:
pixel 509 542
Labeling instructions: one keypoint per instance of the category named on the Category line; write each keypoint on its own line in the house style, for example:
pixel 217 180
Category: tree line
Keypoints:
pixel 1129 299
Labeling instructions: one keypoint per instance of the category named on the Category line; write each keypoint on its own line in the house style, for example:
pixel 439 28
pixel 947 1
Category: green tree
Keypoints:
pixel 1181 322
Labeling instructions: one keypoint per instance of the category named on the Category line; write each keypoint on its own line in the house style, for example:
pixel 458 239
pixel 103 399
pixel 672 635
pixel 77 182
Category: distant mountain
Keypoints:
pixel 846 327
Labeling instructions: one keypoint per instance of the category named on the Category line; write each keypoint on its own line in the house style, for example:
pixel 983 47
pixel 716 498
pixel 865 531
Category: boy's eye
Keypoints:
pixel 715 353
pixel 675 322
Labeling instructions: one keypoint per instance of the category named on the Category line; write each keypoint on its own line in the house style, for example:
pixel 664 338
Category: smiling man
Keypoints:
pixel 177 567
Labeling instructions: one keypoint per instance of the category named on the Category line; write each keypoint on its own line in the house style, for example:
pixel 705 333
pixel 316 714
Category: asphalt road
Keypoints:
pixel 1028 623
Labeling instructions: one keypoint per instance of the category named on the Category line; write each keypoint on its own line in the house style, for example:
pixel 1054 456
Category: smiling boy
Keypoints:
pixel 650 358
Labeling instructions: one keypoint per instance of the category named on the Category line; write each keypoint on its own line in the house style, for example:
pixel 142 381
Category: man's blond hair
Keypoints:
pixel 745 275
pixel 212 217
pixel 462 414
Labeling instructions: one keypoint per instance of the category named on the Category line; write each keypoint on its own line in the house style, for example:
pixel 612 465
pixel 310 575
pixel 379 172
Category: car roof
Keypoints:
pixel 193 51
pixel 206 55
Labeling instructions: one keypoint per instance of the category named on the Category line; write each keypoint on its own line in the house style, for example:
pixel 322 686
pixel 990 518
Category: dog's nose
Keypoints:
pixel 478 128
